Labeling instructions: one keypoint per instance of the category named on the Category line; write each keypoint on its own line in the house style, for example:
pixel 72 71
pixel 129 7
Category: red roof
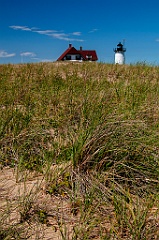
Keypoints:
pixel 70 50
pixel 91 54
pixel 87 55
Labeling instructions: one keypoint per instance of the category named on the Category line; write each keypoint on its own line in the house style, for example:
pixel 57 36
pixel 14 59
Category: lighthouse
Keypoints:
pixel 119 54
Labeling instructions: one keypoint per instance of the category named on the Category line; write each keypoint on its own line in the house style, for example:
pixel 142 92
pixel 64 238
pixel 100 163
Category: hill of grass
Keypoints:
pixel 90 132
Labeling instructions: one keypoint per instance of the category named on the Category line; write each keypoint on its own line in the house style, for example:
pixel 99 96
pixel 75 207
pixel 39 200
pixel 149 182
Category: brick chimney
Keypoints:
pixel 80 48
pixel 70 45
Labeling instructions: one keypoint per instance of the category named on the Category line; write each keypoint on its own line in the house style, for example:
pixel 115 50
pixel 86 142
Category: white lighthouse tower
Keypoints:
pixel 119 54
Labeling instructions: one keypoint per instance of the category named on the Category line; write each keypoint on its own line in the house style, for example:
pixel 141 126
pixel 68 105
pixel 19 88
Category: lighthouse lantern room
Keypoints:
pixel 119 54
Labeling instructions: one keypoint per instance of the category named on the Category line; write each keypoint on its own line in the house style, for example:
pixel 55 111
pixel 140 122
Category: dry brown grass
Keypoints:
pixel 79 151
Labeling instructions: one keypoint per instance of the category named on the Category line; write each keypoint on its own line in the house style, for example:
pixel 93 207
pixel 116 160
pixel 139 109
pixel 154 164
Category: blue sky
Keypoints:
pixel 40 30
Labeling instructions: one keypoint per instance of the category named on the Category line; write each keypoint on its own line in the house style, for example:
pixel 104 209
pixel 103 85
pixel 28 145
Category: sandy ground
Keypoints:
pixel 23 197
pixel 25 193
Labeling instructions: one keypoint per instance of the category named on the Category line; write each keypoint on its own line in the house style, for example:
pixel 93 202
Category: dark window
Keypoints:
pixel 78 57
pixel 68 57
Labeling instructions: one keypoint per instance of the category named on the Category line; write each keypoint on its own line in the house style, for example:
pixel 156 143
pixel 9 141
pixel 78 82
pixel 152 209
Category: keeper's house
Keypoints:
pixel 72 54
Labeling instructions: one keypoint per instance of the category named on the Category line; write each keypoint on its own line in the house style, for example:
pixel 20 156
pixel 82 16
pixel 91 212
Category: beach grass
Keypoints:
pixel 91 132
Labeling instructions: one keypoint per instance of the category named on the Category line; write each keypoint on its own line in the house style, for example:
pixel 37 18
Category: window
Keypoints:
pixel 89 57
pixel 68 57
pixel 78 57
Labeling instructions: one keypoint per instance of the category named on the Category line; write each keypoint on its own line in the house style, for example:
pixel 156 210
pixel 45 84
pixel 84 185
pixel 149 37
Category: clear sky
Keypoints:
pixel 40 30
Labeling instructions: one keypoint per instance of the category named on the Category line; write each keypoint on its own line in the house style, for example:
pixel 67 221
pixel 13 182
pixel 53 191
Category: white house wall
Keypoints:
pixel 73 57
